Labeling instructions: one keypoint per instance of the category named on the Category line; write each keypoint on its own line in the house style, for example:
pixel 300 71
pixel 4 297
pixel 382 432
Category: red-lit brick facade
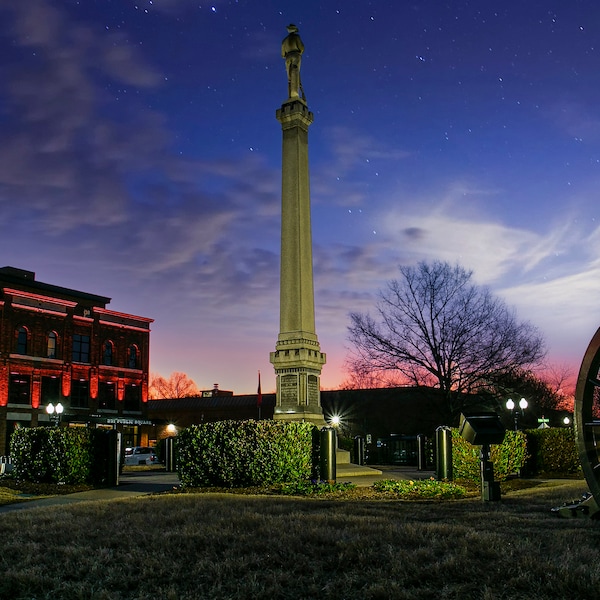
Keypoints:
pixel 63 345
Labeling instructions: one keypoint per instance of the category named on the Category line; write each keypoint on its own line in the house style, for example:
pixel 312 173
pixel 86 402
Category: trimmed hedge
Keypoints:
pixel 508 458
pixel 62 455
pixel 244 453
pixel 552 451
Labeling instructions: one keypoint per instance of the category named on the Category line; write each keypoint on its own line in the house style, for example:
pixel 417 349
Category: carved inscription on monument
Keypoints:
pixel 313 389
pixel 288 386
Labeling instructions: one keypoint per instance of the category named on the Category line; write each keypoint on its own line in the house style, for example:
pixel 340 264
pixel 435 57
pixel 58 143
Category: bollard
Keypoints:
pixel 490 489
pixel 327 456
pixel 484 429
pixel 359 450
pixel 443 455
pixel 113 457
pixel 170 463
pixel 421 452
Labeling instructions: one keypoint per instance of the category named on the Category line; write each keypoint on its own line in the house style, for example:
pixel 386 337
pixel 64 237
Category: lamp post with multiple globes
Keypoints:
pixel 510 405
pixel 54 412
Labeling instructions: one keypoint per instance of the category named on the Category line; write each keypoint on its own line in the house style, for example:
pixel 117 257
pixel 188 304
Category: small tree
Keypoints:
pixel 541 395
pixel 357 380
pixel 436 328
pixel 179 385
pixel 561 379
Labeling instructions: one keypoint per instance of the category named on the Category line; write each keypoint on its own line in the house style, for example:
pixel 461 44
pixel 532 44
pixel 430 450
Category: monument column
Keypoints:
pixel 297 359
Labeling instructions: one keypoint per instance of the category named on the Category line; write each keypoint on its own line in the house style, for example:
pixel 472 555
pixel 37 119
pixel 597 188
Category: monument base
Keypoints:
pixel 298 362
pixel 300 416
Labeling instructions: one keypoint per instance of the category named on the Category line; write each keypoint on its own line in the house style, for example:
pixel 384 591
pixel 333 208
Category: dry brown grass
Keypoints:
pixel 217 546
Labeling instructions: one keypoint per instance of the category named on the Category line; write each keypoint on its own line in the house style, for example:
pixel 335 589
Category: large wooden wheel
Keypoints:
pixel 587 416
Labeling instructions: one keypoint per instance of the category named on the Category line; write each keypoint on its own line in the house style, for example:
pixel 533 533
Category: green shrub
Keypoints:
pixel 508 458
pixel 345 443
pixel 425 489
pixel 465 459
pixel 552 451
pixel 313 488
pixel 61 455
pixel 244 453
pixel 32 455
pixel 77 445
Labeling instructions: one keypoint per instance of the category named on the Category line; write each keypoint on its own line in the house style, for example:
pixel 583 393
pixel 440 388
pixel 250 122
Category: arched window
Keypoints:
pixel 51 346
pixel 132 357
pixel 107 356
pixel 22 340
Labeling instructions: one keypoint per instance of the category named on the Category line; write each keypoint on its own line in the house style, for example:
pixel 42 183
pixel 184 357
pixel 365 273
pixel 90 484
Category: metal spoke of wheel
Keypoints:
pixel 587 415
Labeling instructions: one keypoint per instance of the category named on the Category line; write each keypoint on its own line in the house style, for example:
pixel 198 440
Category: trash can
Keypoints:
pixel 170 462
pixel 327 454
pixel 443 454
pixel 421 452
pixel 359 450
pixel 113 457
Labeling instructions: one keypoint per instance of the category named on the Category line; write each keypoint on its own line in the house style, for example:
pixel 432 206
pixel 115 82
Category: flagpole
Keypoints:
pixel 259 398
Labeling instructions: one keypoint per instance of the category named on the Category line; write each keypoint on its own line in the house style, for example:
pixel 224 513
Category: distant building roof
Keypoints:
pixel 25 280
pixel 199 402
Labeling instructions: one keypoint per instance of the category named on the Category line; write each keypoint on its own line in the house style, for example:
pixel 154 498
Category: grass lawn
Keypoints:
pixel 209 545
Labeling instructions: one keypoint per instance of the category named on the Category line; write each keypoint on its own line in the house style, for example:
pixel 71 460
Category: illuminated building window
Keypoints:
pixel 81 348
pixel 107 356
pixel 132 360
pixel 22 340
pixel 107 395
pixel 51 390
pixel 133 397
pixel 80 393
pixel 19 389
pixel 51 346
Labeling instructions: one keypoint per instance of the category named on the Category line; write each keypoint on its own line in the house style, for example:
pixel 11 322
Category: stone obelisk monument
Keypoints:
pixel 297 359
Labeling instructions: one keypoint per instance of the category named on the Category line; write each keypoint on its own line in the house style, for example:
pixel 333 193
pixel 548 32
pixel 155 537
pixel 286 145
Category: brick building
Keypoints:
pixel 208 406
pixel 380 412
pixel 63 345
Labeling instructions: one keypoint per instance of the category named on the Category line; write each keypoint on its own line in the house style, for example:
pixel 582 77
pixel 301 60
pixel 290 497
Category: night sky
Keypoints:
pixel 140 159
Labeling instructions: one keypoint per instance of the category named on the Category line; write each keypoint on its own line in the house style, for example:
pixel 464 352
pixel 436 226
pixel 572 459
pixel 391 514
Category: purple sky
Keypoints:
pixel 140 159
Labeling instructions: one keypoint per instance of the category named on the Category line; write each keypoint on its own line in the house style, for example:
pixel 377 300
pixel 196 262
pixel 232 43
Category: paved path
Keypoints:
pixel 140 483
pixel 131 484
pixel 387 472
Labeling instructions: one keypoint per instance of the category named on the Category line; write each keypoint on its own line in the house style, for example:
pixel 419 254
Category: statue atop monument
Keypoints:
pixel 292 49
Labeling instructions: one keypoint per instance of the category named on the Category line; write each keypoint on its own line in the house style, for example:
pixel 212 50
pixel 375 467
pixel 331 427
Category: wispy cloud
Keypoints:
pixel 550 276
pixel 352 155
pixel 577 119
pixel 92 181
pixel 94 194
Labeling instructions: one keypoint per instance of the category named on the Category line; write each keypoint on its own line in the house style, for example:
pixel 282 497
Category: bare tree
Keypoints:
pixel 364 380
pixel 178 385
pixel 562 379
pixel 436 328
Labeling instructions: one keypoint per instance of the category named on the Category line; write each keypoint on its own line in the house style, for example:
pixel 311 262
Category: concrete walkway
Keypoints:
pixel 386 472
pixel 131 484
pixel 141 483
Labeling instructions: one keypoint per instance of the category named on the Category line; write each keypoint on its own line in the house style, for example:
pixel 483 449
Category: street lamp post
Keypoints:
pixel 510 405
pixel 54 412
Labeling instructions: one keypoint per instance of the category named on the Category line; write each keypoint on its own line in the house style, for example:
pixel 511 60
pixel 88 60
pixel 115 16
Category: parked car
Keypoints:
pixel 140 455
